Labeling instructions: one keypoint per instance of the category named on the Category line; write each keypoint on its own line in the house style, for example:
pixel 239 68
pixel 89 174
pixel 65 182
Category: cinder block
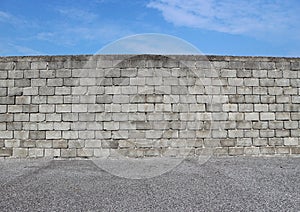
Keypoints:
pixel 44 143
pixel 93 143
pixel 261 107
pixel 276 124
pixel 244 73
pixel 68 153
pixel 101 153
pixel 86 134
pixel 35 152
pixel 55 99
pixel 154 134
pixel 151 153
pixel 228 142
pixel 71 82
pixel 129 89
pixel 52 153
pixel 267 133
pixel 38 100
pixel 295 133
pixel 6 118
pixel 22 65
pixel 37 135
pixel 260 141
pixel 12 143
pixel 79 108
pixel 221 151
pixel 70 135
pixel 291 141
pixel 53 135
pixel 251 116
pixel 47 74
pixel 104 99
pixel 63 73
pixel 7 100
pixel 179 90
pixel 62 90
pixel 37 117
pixel 46 91
pixel 25 126
pixel 282 150
pixel 291 124
pixel 3 74
pixel 21 117
pixel 109 144
pixel 111 125
pixel 275 73
pixel 236 64
pixel 86 117
pixel 121 81
pixel 245 107
pixel 5 152
pixel 295 150
pixel 87 99
pixel 251 150
pixel 228 73
pixel 64 108
pixel 260 73
pixel 14 108
pixel 235 133
pixel 87 81
pixel 282 133
pixel 267 150
pixel 295 65
pixel 233 151
pixel 154 81
pixel 265 116
pixel 20 152
pixel 84 152
pixel 244 142
pixel 45 126
pixel 275 141
pixel 76 144
pixel 27 143
pixel 15 74
pixel 39 65
pixel 6 134
pixel 22 135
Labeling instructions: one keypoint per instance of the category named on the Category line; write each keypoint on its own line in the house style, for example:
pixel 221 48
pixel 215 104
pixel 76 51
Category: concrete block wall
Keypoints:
pixel 148 105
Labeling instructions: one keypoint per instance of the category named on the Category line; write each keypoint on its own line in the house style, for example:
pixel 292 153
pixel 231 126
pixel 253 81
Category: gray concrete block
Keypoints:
pixel 20 152
pixel 22 65
pixel 35 152
pixel 5 152
pixel 68 153
pixel 260 141
pixel 46 91
pixel 37 135
pixel 21 83
pixel 252 150
pixel 291 141
pixel 235 151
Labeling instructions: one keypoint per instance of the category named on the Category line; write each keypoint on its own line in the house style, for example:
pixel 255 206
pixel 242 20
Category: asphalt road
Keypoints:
pixel 220 184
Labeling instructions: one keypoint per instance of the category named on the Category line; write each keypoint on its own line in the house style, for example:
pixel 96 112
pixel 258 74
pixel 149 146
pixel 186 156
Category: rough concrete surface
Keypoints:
pixel 220 184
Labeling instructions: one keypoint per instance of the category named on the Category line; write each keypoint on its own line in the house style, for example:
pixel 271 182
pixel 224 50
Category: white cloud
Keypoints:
pixel 256 17
pixel 78 14
pixel 11 19
pixel 9 48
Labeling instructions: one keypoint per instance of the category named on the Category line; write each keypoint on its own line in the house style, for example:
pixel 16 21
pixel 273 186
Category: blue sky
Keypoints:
pixel 218 27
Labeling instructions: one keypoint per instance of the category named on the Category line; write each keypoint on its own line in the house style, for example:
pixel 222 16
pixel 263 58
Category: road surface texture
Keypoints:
pixel 220 184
